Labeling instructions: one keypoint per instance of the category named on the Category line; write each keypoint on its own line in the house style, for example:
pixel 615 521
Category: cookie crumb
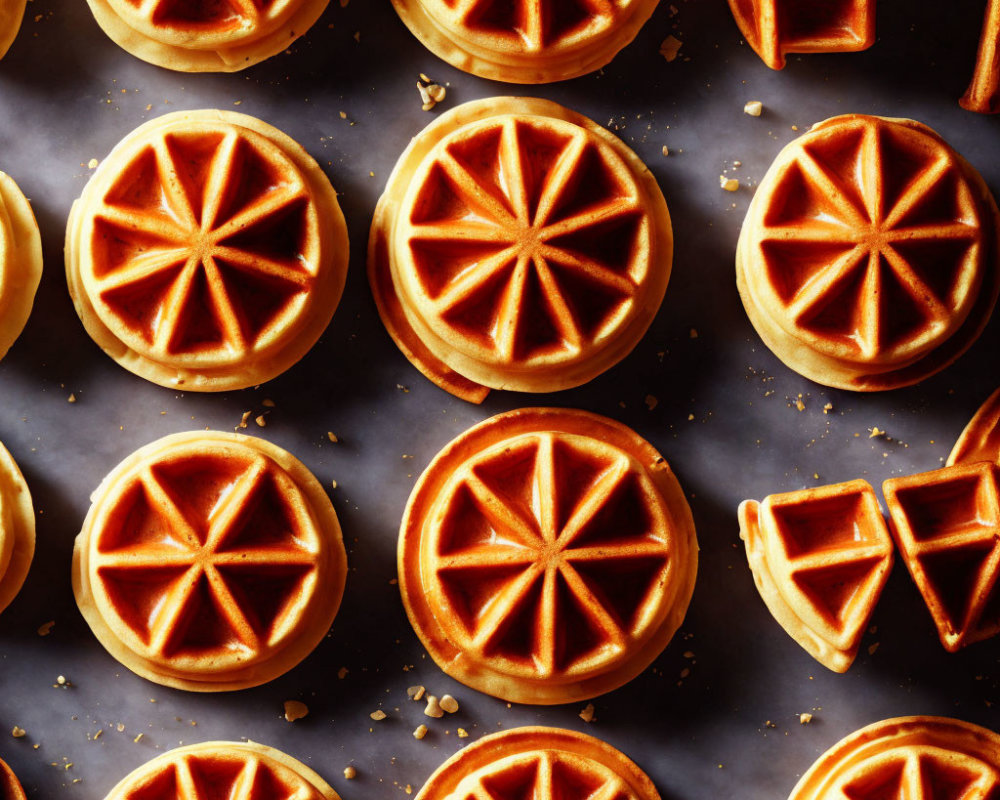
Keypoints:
pixel 379 715
pixel 295 710
pixel 420 732
pixel 753 108
pixel 332 437
pixel 449 704
pixel 670 47
pixel 18 732
pixel 415 692
pixel 587 715
pixel 652 401
pixel 463 733
pixel 342 672
pixel 46 628
pixel 71 398
pixel 805 718
pixel 665 150
pixel 433 708
pixel 350 773
pixel 729 184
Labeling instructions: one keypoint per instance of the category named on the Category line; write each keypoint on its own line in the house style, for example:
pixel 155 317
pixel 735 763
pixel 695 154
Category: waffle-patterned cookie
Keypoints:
pixel 207 252
pixel 820 558
pixel 947 526
pixel 983 94
pixel 11 14
pixel 20 262
pixel 518 246
pixel 17 529
pixel 774 28
pixel 980 441
pixel 868 258
pixel 917 758
pixel 205 35
pixel 539 763
pixel 10 786
pixel 525 41
pixel 546 556
pixel 209 562
pixel 231 770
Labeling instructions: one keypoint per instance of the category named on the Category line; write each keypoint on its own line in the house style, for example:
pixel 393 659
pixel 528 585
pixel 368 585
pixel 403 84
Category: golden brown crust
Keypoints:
pixel 511 295
pixel 236 281
pixel 983 93
pixel 20 262
pixel 17 529
pixel 926 754
pixel 869 305
pixel 10 786
pixel 820 558
pixel 534 50
pixel 276 775
pixel 211 45
pixel 585 511
pixel 576 754
pixel 210 562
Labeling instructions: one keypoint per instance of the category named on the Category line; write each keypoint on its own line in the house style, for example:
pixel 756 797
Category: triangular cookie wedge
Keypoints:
pixel 820 558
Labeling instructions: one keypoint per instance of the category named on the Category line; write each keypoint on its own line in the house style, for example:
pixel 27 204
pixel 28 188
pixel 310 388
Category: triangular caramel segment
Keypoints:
pixel 947 525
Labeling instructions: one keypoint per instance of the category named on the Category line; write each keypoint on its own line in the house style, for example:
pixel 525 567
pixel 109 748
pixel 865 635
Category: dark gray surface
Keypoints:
pixel 67 94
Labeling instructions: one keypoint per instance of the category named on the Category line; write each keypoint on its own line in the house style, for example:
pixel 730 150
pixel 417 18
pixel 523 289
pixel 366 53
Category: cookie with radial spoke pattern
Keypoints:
pixel 207 252
pixel 820 558
pixel 198 36
pixel 209 562
pixel 17 529
pixel 231 770
pixel 547 556
pixel 10 786
pixel 525 41
pixel 980 440
pixel 916 758
pixel 774 28
pixel 11 14
pixel 947 526
pixel 20 261
pixel 868 259
pixel 518 246
pixel 538 763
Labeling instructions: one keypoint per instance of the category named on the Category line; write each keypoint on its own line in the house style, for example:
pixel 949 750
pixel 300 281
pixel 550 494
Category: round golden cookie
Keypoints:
pixel 207 252
pixel 212 770
pixel 525 41
pixel 216 36
pixel 919 758
pixel 518 245
pixel 209 562
pixel 17 529
pixel 20 262
pixel 980 440
pixel 10 786
pixel 547 763
pixel 11 14
pixel 546 556
pixel 868 259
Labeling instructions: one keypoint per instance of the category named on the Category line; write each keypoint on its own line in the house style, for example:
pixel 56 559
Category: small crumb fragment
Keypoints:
pixel 261 421
pixel 875 432
pixel 652 401
pixel 138 738
pixel 342 672
pixel 805 718
pixel 753 108
pixel 872 648
pixel 245 418
pixel 433 708
pixel 665 150
pixel 769 724
pixel 333 483
pixel 18 732
pixel 828 408
pixel 729 184
pixel 294 710
pixel 350 772
pixel 463 733
pixel 693 333
pixel 46 628
pixel 420 732
pixel 449 704
pixel 670 47
pixel 92 164
pixel 332 437
pixel 267 402
pixel 379 715
pixel 430 93
pixel 61 680
pixel 71 398
pixel 587 715
pixel 799 404
pixel 415 692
